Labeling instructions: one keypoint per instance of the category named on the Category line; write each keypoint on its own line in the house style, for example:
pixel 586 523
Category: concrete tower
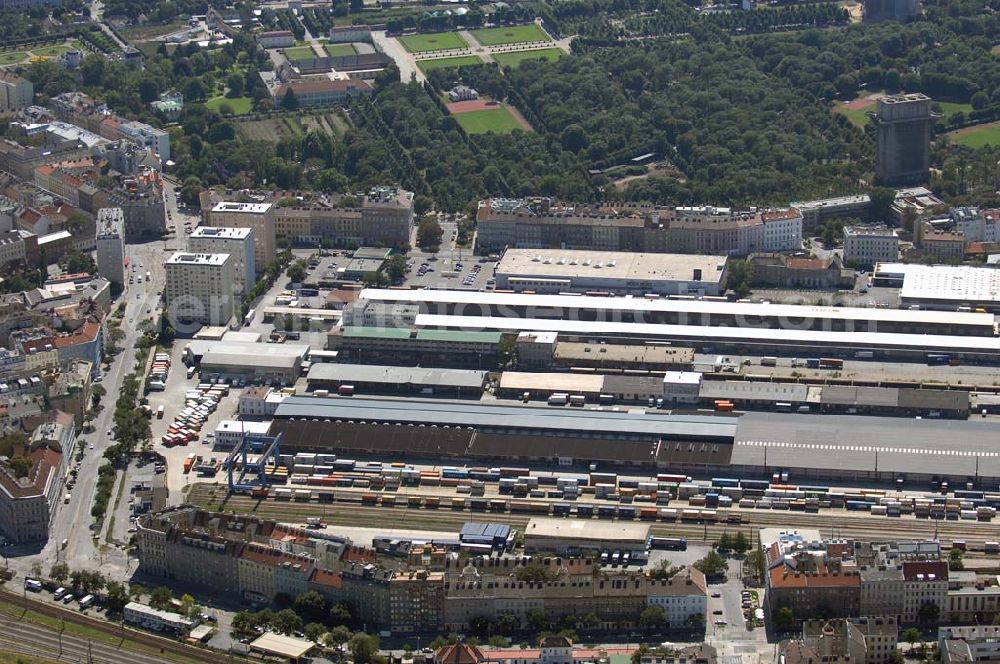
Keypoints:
pixel 890 10
pixel 903 153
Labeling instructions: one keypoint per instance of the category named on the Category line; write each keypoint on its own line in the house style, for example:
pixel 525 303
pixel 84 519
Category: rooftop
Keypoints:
pixel 392 375
pixel 282 646
pixel 246 208
pixel 611 265
pixel 959 283
pixel 207 260
pixel 221 233
pixel 569 528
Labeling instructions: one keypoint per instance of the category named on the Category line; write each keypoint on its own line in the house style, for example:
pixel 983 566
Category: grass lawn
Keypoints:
pixel 240 105
pixel 516 58
pixel 339 50
pixel 857 116
pixel 977 137
pixel 427 66
pixel 299 53
pixel 949 108
pixel 497 120
pixel 14 658
pixel 12 58
pixel 50 51
pixel 510 35
pixel 438 41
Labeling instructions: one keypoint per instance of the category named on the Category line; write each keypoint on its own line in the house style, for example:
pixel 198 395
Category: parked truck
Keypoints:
pixel 558 399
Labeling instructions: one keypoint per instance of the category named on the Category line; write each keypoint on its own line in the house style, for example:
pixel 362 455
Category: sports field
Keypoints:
pixel 428 66
pixel 240 105
pixel 339 50
pixel 437 41
pixel 514 34
pixel 498 120
pixel 517 57
pixel 977 136
pixel 300 53
pixel 856 111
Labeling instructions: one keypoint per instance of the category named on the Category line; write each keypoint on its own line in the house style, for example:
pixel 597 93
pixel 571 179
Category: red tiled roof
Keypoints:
pixel 358 554
pixel 460 653
pixel 912 568
pixel 782 577
pixel 323 577
pixel 84 334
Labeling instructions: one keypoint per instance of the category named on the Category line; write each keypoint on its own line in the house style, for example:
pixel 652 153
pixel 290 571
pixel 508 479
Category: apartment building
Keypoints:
pixel 27 501
pixel 868 245
pixel 978 604
pixel 254 216
pixel 925 585
pixel 866 641
pixel 200 288
pixel 92 115
pixel 259 402
pixel 320 91
pixel 944 246
pixel 882 590
pixel 15 92
pixel 237 242
pixel 538 224
pixel 416 601
pixel 814 587
pixel 111 245
pixel 682 596
pixel 265 572
pixel 18 250
pixel 276 39
pixel 966 644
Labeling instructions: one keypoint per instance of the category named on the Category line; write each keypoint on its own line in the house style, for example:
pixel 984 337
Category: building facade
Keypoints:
pixel 111 245
pixel 200 288
pixel 256 216
pixel 15 92
pixel 866 246
pixel 237 242
pixel 903 129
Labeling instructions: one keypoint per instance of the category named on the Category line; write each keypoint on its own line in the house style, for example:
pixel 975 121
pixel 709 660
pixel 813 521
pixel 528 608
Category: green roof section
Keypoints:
pixel 453 336
pixel 460 336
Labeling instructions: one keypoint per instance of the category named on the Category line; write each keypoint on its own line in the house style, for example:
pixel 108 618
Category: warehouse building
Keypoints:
pixel 623 356
pixel 571 537
pixel 566 270
pixel 747 316
pixel 958 288
pixel 409 346
pixel 253 362
pixel 375 378
pixel 445 429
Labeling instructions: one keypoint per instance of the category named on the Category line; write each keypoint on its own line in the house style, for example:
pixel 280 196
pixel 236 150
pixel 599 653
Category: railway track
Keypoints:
pixel 830 523
pixel 172 650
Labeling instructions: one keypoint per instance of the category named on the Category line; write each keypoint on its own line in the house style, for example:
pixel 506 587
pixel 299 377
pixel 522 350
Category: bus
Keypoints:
pixel 159 412
pixel 249 317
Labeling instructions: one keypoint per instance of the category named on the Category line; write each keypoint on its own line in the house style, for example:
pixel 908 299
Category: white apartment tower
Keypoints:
pixel 237 242
pixel 867 246
pixel 200 288
pixel 111 244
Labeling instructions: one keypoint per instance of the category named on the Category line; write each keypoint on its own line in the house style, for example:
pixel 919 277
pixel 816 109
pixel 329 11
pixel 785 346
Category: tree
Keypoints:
pixel 784 618
pixel 234 85
pixel 755 563
pixel 296 272
pixel 895 657
pixel 725 542
pixel 374 279
pixel 314 631
pixel 712 565
pixel 507 623
pixel 160 598
pixel 664 570
pixel 20 465
pixel 740 543
pixel 287 621
pixel 363 648
pixel 910 635
pixel 533 572
pixel 955 562
pixel 97 392
pixel 979 100
pixel 882 199
pixel 312 606
pixel 242 626
pixel 77 262
pixel 338 636
pixel 59 572
pixel 653 617
pixel 740 277
pixel 115 597
pixel 340 615
pixel 290 102
pixel 36 569
pixel 395 268
pixel 536 619
pixel 928 613
pixel 429 235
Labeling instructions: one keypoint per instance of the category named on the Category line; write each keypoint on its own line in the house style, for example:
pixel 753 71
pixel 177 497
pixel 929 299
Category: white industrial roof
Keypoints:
pixel 567 382
pixel 695 307
pixel 248 353
pixel 572 528
pixel 915 342
pixel 682 378
pixel 961 283
pixel 610 265
pixel 242 426
pixel 281 645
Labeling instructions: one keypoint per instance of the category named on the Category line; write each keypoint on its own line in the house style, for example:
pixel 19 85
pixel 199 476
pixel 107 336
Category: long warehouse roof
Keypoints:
pixel 709 307
pixel 916 342
pixel 463 414
pixel 857 443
